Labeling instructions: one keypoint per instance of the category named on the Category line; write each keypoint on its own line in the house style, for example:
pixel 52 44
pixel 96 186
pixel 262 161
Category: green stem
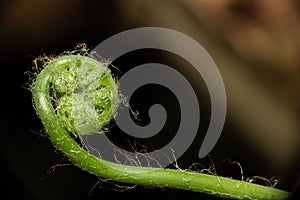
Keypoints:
pixel 168 178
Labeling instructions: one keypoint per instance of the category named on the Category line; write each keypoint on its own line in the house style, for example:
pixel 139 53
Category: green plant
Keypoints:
pixel 76 94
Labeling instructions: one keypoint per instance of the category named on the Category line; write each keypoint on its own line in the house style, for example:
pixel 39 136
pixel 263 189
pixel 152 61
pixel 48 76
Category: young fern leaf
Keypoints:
pixel 76 94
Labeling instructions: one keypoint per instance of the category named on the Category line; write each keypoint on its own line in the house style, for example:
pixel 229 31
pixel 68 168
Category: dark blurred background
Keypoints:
pixel 255 44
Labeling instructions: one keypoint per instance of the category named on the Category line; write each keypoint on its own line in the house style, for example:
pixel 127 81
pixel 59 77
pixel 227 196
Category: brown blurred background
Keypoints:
pixel 255 44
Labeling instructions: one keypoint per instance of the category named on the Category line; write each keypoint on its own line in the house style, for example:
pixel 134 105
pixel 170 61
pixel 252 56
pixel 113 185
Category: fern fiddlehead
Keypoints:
pixel 76 94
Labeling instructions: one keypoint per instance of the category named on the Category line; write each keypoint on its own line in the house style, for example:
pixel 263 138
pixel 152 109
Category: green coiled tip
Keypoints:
pixel 85 95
